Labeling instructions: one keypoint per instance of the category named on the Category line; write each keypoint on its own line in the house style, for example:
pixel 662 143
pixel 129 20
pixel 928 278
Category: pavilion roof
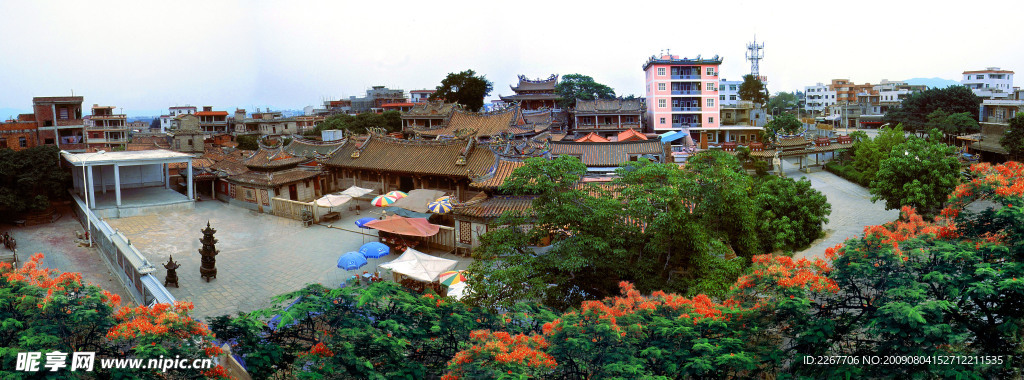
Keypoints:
pixel 609 106
pixel 526 84
pixel 592 137
pixel 494 207
pixel 312 148
pixel 478 124
pixel 273 179
pixel 606 153
pixel 430 109
pixel 497 175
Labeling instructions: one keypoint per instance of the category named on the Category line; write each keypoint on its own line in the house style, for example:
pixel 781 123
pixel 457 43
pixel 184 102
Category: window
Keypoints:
pixel 661 103
pixel 3 141
pixel 22 142
pixel 721 97
pixel 711 86
pixel 711 119
pixel 661 71
pixel 711 102
pixel 980 76
pixel 732 97
pixel 732 87
pixel 63 113
pixel 711 71
pixel 661 121
pixel 661 87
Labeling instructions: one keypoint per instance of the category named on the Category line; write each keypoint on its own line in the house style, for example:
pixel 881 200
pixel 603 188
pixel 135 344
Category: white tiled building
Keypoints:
pixel 819 97
pixel 729 92
pixel 991 83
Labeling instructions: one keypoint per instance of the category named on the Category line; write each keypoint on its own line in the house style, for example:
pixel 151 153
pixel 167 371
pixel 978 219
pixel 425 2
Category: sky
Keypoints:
pixel 144 56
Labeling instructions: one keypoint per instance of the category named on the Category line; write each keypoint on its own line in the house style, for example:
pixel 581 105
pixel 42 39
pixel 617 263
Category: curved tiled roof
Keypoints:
pixel 271 158
pixel 452 157
pixel 431 109
pixel 493 179
pixel 606 153
pixel 609 106
pixel 272 179
pixel 495 206
pixel 311 148
pixel 481 124
pixel 526 84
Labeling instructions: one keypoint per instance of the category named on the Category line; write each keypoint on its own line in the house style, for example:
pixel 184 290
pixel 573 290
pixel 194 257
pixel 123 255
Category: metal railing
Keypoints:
pixel 685 92
pixel 685 76
pixel 686 109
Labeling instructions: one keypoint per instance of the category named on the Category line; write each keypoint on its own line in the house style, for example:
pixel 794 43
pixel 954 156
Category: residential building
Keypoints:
pixel 376 97
pixel 20 133
pixel 892 93
pixel 741 122
pixel 188 137
pixel 847 92
pixel 534 94
pixel 59 121
pixel 420 96
pixel 682 93
pixel 400 107
pixel 173 112
pixel 818 98
pixel 991 83
pixel 607 117
pixel 139 126
pixel 308 122
pixel 265 123
pixel 1000 111
pixel 212 122
pixel 105 129
pixel 729 92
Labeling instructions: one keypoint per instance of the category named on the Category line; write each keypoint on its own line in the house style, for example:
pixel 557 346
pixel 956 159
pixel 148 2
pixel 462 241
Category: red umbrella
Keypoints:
pixel 405 226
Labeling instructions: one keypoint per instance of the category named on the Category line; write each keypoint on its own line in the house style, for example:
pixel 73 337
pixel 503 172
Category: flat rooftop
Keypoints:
pixel 107 158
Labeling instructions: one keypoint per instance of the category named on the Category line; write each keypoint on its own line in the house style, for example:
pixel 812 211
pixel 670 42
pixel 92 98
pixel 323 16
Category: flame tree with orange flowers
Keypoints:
pixel 43 310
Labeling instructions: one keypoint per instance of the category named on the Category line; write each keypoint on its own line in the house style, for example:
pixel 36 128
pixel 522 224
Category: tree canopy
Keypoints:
pixel 753 89
pixel 1013 138
pixel 786 124
pixel 578 86
pixel 952 124
pixel 391 121
pixel 45 310
pixel 30 179
pixel 465 88
pixel 919 173
pixel 913 112
pixel 783 101
pixel 861 163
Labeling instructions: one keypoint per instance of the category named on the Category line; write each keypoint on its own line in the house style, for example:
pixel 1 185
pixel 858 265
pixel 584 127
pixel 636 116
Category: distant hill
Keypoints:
pixel 933 82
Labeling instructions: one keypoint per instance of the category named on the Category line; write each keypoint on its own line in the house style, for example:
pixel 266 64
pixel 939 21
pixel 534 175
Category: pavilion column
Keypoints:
pixel 117 184
pixel 103 182
pixel 90 188
pixel 191 190
pixel 167 175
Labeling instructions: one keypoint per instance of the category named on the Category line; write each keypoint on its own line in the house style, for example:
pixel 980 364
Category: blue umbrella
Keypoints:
pixel 351 260
pixel 361 223
pixel 374 250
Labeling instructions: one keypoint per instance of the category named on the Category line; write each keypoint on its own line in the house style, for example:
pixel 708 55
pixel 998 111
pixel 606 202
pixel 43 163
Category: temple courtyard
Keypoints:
pixel 261 255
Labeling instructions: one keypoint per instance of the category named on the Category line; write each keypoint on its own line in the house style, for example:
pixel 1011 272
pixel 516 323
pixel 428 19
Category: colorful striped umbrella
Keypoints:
pixel 439 207
pixel 450 278
pixel 383 200
pixel 397 194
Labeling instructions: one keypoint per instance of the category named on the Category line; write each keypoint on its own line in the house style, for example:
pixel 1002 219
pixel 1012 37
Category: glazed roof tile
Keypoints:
pixel 526 84
pixel 494 207
pixel 310 148
pixel 433 157
pixel 430 109
pixel 272 179
pixel 599 106
pixel 497 175
pixel 482 124
pixel 608 153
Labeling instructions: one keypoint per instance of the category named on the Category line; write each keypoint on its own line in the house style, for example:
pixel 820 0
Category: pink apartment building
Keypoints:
pixel 682 93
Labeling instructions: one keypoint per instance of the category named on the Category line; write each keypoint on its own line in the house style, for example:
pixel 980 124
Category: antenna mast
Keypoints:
pixel 755 55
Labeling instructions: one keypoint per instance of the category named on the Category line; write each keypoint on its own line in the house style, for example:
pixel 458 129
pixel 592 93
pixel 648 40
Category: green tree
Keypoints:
pixel 574 87
pixel 918 173
pixel 465 88
pixel 753 89
pixel 914 110
pixel 30 179
pixel 247 142
pixel 791 214
pixel 952 124
pixel 786 124
pixel 155 124
pixel 44 310
pixel 1013 138
pixel 783 101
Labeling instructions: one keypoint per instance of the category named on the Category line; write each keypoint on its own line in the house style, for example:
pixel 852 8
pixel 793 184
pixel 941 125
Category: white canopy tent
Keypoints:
pixel 419 265
pixel 356 192
pixel 458 290
pixel 333 200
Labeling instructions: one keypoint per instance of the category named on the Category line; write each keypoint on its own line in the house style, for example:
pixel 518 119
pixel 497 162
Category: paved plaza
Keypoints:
pixel 56 241
pixel 261 255
pixel 851 208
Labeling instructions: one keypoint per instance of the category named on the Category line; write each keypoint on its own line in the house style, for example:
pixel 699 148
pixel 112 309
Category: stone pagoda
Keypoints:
pixel 208 268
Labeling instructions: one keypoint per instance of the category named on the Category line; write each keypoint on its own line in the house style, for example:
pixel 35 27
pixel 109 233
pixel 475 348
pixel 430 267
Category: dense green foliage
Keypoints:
pixel 465 88
pixel 783 101
pixel 784 124
pixel 914 111
pixel 860 163
pixel 657 226
pixel 952 124
pixel 379 332
pixel 790 213
pixel 30 179
pixel 753 89
pixel 43 310
pixel 1013 138
pixel 919 173
pixel 247 142
pixel 578 86
pixel 155 124
pixel 391 121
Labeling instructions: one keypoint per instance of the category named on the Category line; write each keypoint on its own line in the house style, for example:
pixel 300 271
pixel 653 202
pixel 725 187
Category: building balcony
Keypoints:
pixel 994 119
pixel 686 125
pixel 608 126
pixel 685 109
pixel 112 140
pixel 685 92
pixel 686 77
